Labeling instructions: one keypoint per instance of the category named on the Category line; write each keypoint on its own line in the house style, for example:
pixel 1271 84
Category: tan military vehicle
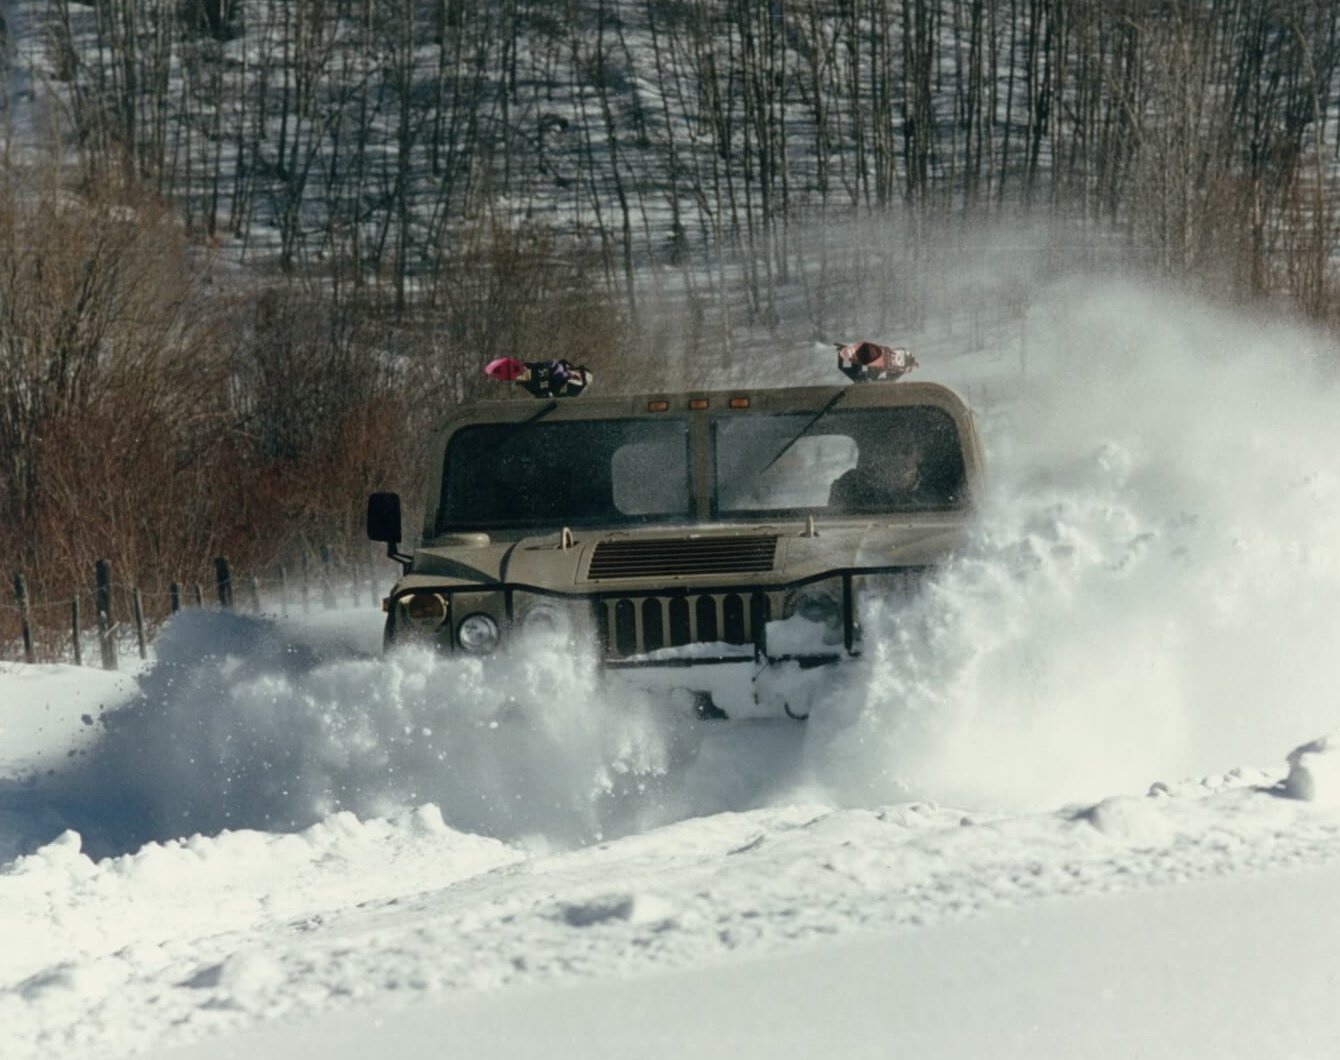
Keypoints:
pixel 713 544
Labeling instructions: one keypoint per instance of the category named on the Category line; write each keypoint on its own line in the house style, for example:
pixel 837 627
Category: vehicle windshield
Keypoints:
pixel 870 460
pixel 566 473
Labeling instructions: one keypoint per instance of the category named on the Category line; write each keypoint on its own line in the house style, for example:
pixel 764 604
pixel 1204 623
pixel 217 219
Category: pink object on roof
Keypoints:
pixel 508 369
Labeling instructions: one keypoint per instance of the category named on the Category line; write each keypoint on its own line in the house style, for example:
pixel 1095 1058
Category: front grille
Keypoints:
pixel 637 624
pixel 695 556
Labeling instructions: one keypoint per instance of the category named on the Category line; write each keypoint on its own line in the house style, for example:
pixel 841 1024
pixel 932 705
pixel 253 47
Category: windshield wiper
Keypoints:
pixel 521 425
pixel 548 408
pixel 828 407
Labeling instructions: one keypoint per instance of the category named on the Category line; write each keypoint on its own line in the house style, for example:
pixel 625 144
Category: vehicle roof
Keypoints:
pixel 761 399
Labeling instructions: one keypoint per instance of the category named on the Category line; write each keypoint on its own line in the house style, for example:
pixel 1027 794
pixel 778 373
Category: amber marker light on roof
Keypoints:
pixel 739 403
pixel 657 406
pixel 697 403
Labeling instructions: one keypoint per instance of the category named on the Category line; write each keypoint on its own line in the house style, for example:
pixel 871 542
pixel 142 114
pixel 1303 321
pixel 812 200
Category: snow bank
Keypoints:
pixel 197 938
pixel 245 880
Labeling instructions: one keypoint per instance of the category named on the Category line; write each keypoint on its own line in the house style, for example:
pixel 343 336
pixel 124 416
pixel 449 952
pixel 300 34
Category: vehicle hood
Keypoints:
pixel 701 555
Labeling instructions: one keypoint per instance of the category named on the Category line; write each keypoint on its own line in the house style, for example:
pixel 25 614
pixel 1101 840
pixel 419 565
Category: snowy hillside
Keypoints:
pixel 1069 803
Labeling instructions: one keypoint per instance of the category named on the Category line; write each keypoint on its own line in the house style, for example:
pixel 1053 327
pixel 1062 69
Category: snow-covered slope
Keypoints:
pixel 206 936
pixel 1215 969
pixel 1076 801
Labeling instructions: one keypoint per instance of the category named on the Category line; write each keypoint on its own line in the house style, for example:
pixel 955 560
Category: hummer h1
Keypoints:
pixel 713 544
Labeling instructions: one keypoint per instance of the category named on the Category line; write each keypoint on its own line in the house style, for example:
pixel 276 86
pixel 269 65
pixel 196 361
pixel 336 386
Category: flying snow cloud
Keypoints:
pixel 239 725
pixel 1155 585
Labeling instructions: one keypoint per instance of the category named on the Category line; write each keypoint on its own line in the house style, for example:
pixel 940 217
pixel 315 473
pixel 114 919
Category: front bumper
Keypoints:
pixel 698 638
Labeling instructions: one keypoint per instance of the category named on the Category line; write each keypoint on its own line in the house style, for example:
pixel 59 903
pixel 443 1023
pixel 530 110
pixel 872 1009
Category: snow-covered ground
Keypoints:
pixel 1076 801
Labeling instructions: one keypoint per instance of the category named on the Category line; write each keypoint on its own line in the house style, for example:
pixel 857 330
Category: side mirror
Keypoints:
pixel 384 518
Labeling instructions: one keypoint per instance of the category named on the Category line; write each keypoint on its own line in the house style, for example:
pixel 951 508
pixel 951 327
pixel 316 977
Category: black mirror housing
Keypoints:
pixel 384 518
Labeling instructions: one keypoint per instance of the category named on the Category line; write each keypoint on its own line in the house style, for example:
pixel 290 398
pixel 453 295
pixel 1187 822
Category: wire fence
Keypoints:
pixel 112 620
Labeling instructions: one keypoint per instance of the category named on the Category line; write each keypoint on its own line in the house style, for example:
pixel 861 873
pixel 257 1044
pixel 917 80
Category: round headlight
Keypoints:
pixel 427 609
pixel 478 634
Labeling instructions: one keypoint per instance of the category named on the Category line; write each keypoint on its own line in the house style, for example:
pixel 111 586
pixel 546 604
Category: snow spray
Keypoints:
pixel 1154 590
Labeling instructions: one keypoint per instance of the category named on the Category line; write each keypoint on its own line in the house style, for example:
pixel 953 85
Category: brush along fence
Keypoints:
pixel 113 619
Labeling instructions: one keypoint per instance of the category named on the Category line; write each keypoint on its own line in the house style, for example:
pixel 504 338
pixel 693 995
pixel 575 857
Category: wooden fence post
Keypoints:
pixel 25 616
pixel 106 627
pixel 78 631
pixel 174 594
pixel 223 580
pixel 199 593
pixel 327 586
pixel 255 586
pixel 137 601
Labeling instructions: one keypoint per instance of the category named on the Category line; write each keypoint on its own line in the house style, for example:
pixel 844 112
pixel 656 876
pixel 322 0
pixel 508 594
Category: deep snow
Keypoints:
pixel 1051 812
